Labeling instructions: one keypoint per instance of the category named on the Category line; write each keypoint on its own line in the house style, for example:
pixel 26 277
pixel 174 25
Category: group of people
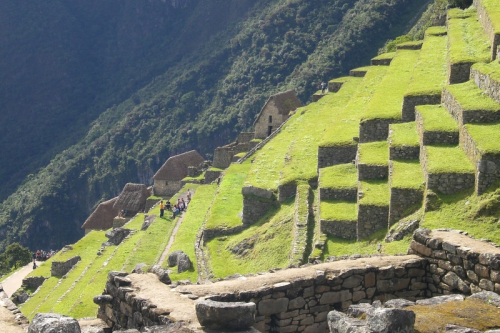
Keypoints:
pixel 42 255
pixel 179 207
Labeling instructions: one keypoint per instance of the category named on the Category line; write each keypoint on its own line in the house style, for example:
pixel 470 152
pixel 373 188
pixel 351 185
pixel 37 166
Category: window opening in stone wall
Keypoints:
pixel 270 119
pixel 269 130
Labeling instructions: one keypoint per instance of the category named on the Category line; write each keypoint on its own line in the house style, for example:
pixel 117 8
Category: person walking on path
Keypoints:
pixel 168 205
pixel 323 87
pixel 162 208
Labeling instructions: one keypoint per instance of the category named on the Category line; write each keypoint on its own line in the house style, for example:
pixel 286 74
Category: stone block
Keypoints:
pixel 272 306
pixel 225 315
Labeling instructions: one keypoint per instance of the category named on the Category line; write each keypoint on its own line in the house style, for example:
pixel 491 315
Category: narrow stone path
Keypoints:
pixel 174 232
pixel 14 282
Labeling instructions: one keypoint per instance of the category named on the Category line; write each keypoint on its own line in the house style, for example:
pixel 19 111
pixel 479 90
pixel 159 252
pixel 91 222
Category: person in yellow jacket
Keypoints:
pixel 162 208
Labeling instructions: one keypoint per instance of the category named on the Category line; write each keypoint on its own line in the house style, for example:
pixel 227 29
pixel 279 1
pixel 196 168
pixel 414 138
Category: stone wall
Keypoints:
pixel 487 84
pixel 211 175
pixel 150 203
pixel 329 156
pixel 222 157
pixel 404 152
pixel 253 209
pixel 434 137
pixel 60 268
pixel 473 116
pixel 410 102
pixel 218 232
pixel 33 282
pixel 347 194
pixel 375 129
pixel 369 171
pixel 487 165
pixel 339 228
pixel 371 219
pixel 402 200
pixel 358 72
pixel 459 72
pixel 245 137
pixel 286 191
pixel 488 27
pixel 457 263
pixel 300 223
pixel 381 62
pixel 262 123
pixel 166 188
pixel 334 86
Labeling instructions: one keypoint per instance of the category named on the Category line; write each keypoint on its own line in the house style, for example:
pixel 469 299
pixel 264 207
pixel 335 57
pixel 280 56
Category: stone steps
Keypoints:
pixel 372 160
pixel 339 182
pixel 468 104
pixel 407 185
pixel 339 218
pixel 384 108
pixel 487 78
pixel 446 169
pixel 373 207
pixel 481 144
pixel 435 125
pixel 489 13
pixel 467 44
pixel 403 141
pixel 429 76
pixel 339 142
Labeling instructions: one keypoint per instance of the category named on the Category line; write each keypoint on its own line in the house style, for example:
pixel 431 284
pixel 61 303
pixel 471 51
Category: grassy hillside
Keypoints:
pixel 158 90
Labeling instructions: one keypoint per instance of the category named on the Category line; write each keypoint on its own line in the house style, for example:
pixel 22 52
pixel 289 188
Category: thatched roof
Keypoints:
pixel 285 102
pixel 102 217
pixel 133 197
pixel 176 167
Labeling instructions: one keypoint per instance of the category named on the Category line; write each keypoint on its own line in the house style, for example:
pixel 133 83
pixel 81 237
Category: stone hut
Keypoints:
pixel 132 199
pixel 102 217
pixel 223 156
pixel 275 112
pixel 168 180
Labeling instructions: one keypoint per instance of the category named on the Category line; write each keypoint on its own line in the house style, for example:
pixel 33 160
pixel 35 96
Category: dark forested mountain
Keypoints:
pixel 95 94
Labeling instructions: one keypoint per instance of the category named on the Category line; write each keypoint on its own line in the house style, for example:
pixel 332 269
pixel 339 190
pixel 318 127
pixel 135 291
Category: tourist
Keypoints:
pixel 168 206
pixel 184 206
pixel 176 211
pixel 323 87
pixel 161 208
pixel 189 196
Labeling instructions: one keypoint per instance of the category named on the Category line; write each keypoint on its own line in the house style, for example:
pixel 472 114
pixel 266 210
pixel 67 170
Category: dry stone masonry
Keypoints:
pixel 60 268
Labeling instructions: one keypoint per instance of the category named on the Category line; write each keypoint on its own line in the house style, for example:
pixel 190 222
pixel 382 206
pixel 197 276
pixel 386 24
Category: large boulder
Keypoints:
pixel 116 236
pixel 488 296
pixel 390 321
pixel 161 274
pixel 183 263
pixel 53 323
pixel 225 315
pixel 338 322
pixel 172 258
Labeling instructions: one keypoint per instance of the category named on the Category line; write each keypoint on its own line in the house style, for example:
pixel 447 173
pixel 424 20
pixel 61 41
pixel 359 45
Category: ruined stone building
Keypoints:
pixel 102 217
pixel 275 112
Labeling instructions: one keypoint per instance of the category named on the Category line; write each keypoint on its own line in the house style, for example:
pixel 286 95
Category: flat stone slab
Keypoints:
pixel 225 315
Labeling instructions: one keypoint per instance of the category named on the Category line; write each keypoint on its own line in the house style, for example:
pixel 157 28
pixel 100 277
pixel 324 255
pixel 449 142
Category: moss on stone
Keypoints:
pixel 404 134
pixel 407 174
pixel 437 118
pixel 340 176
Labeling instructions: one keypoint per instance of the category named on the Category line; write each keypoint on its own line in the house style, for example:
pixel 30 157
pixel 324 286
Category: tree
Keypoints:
pixel 15 256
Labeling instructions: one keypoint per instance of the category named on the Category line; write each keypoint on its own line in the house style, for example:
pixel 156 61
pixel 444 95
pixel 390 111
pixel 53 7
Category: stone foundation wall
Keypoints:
pixel 404 152
pixel 449 183
pixel 300 223
pixel 357 73
pixel 381 62
pixel 434 137
pixel 371 219
pixel 211 175
pixel 245 137
pixel 348 194
pixel 150 203
pixel 166 188
pixel 459 72
pixel 212 233
pixel 475 116
pixel 410 102
pixel 222 157
pixel 329 156
pixel 402 200
pixel 375 129
pixel 487 84
pixel 366 171
pixel 341 229
pixel 488 27
pixel 60 268
pixel 286 191
pixel 254 209
pixel 334 86
pixel 454 268
pixel 33 282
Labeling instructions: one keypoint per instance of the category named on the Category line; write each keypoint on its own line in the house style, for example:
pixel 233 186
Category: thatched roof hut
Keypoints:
pixel 133 198
pixel 176 167
pixel 102 217
pixel 284 102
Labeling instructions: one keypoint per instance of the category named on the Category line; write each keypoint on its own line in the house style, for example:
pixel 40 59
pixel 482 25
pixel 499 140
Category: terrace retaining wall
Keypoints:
pixel 402 200
pixel 375 129
pixel 60 268
pixel 347 194
pixel 339 228
pixel 488 27
pixel 254 209
pixel 459 72
pixel 381 62
pixel 404 152
pixel 467 117
pixel 410 102
pixel 300 225
pixel 368 171
pixel 434 137
pixel 371 219
pixel 486 83
pixel 329 156
pixel 335 86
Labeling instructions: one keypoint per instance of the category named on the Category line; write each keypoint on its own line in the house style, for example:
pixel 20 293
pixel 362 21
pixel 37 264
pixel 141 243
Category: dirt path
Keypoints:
pixel 13 282
pixel 7 323
pixel 174 232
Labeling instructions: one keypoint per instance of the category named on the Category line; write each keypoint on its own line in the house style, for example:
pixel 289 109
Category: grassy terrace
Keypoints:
pixel 407 174
pixel 271 236
pixel 492 69
pixel 404 134
pixel 345 125
pixel 296 142
pixel 486 136
pixel 409 44
pixel 467 40
pixel 335 210
pixel 388 98
pixel 447 159
pixel 388 55
pixel 437 119
pixel 471 98
pixel 374 153
pixel 493 10
pixel 436 31
pixel 340 176
pixel 374 192
pixel 228 204
pixel 430 73
pixel 191 223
